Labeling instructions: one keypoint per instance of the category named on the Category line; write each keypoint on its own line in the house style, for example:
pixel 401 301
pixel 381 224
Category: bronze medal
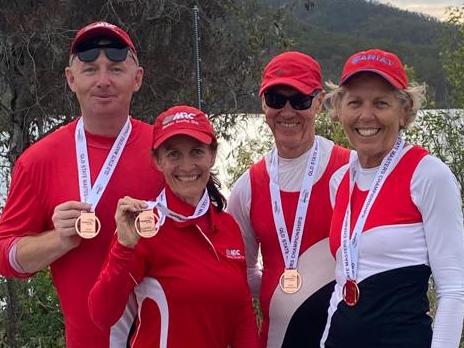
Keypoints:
pixel 290 281
pixel 351 293
pixel 146 224
pixel 87 225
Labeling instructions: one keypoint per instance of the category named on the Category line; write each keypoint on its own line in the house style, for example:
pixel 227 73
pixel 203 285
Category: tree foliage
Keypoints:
pixel 332 30
pixel 452 54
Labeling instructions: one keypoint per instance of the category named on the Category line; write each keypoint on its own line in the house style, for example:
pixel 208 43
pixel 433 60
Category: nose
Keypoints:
pixel 366 113
pixel 187 163
pixel 103 78
pixel 287 109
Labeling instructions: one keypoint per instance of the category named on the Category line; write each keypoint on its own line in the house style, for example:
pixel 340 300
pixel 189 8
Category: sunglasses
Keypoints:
pixel 298 101
pixel 115 54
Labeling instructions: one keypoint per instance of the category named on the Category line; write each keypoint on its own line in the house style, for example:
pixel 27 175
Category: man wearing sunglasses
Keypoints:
pixel 82 168
pixel 283 206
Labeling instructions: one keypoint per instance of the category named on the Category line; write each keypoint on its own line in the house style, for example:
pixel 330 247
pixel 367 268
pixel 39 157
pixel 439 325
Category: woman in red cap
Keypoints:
pixel 183 267
pixel 397 219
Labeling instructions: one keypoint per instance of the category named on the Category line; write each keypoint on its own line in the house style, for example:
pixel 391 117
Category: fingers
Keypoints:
pixel 128 204
pixel 127 209
pixel 65 215
pixel 126 212
pixel 73 205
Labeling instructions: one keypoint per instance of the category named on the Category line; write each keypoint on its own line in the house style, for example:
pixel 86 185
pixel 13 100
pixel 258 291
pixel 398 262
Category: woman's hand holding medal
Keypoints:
pixel 134 220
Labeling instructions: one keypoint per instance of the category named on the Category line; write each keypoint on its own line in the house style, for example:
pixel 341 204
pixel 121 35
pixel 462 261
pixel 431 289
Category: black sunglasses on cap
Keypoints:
pixel 89 50
pixel 115 54
pixel 298 101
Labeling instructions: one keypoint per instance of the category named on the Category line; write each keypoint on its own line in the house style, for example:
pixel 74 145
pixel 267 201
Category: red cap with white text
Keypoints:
pixel 102 29
pixel 294 69
pixel 383 63
pixel 182 120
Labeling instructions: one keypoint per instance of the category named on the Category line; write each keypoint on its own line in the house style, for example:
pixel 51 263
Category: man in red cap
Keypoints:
pixel 64 189
pixel 283 206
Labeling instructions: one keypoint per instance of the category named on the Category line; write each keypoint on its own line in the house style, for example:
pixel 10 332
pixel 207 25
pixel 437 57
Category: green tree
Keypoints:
pixel 452 54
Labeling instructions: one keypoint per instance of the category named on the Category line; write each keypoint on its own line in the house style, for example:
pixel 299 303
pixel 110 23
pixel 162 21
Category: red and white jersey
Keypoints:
pixel 413 229
pixel 46 175
pixel 188 282
pixel 289 320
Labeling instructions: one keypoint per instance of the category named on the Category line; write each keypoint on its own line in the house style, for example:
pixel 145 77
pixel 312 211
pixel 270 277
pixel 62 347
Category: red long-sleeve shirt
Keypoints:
pixel 192 289
pixel 44 176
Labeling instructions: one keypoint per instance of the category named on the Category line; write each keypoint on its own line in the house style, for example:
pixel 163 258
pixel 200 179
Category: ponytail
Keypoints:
pixel 215 195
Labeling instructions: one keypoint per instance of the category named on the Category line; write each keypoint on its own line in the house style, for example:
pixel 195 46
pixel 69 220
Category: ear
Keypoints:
pixel 70 78
pixel 318 102
pixel 405 116
pixel 138 78
pixel 263 104
pixel 265 108
pixel 157 162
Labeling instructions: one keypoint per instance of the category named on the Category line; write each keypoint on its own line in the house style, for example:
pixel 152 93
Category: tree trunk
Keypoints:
pixel 12 313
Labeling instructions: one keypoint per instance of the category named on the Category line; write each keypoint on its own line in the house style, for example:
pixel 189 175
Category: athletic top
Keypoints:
pixel 415 228
pixel 189 283
pixel 289 320
pixel 46 175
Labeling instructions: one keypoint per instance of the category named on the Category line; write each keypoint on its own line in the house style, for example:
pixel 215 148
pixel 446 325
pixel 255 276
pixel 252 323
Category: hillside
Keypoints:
pixel 332 30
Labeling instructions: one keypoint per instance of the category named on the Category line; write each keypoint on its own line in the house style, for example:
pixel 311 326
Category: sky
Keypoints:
pixel 434 8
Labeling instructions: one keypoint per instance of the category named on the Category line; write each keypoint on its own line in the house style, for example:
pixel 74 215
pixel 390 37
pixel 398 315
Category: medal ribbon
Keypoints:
pixel 350 247
pixel 161 205
pixel 291 248
pixel 92 194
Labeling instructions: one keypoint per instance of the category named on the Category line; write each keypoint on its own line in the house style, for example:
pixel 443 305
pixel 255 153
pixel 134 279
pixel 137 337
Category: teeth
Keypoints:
pixel 189 178
pixel 367 132
pixel 288 124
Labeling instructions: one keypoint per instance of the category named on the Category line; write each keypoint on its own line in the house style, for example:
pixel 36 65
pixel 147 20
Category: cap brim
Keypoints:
pixel 387 77
pixel 100 31
pixel 200 136
pixel 301 87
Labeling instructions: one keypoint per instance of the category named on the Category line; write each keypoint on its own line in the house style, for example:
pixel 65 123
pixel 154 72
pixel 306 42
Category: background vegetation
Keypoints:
pixel 237 38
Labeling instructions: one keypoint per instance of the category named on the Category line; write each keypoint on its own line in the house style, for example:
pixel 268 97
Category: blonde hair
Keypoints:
pixel 412 96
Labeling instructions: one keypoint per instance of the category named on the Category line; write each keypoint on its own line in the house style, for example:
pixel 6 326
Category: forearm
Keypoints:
pixel 254 276
pixel 34 253
pixel 110 294
pixel 447 326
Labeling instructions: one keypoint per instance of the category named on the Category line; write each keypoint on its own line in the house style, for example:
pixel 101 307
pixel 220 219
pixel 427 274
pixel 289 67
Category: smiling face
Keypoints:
pixel 372 115
pixel 104 88
pixel 293 129
pixel 185 163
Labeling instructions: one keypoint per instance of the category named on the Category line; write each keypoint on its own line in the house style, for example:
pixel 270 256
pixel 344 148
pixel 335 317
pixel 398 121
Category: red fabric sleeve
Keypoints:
pixel 24 214
pixel 108 297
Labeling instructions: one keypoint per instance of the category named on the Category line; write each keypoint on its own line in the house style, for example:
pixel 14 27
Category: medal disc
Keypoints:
pixel 87 225
pixel 290 281
pixel 146 224
pixel 351 293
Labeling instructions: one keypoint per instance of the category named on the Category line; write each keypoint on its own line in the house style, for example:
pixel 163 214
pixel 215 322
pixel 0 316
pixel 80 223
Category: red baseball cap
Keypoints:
pixel 384 63
pixel 294 69
pixel 185 120
pixel 103 29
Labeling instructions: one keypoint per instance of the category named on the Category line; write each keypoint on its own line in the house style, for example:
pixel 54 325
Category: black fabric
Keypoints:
pixel 308 322
pixel 391 312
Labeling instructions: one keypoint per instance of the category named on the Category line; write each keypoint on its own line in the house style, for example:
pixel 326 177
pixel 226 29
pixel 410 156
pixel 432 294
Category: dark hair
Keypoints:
pixel 215 195
pixel 213 185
